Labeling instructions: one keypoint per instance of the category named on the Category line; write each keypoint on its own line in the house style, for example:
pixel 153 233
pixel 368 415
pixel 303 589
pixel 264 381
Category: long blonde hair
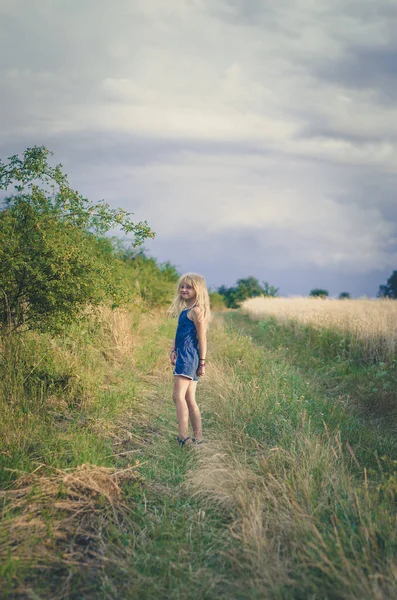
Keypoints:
pixel 202 299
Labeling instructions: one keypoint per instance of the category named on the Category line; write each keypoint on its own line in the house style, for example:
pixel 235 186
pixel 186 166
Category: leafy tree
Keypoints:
pixel 344 296
pixel 390 289
pixel 246 288
pixel 270 290
pixel 53 258
pixel 153 282
pixel 229 295
pixel 319 293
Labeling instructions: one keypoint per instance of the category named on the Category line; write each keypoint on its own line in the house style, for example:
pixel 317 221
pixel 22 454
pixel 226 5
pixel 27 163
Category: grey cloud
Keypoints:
pixel 371 64
pixel 365 67
pixel 56 56
pixel 248 11
pixel 99 166
pixel 227 257
pixel 370 188
pixel 321 127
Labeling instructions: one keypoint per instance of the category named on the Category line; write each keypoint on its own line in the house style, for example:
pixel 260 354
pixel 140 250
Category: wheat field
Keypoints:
pixel 371 324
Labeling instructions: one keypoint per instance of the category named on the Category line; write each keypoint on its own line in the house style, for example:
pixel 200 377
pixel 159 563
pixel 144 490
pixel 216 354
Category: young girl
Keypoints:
pixel 191 304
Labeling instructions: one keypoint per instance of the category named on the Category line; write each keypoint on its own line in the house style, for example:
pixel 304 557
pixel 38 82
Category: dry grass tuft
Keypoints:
pixel 301 520
pixel 277 513
pixel 57 517
pixel 117 330
pixel 220 478
pixel 245 499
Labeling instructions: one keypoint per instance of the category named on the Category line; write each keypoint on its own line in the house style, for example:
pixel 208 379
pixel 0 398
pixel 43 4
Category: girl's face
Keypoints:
pixel 187 291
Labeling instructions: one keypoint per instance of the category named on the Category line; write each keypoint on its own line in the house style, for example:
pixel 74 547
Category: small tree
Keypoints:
pixel 156 280
pixel 53 259
pixel 229 295
pixel 390 289
pixel 319 293
pixel 344 296
pixel 270 290
pixel 248 287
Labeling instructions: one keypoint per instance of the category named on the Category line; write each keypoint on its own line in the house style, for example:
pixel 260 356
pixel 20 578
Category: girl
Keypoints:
pixel 191 304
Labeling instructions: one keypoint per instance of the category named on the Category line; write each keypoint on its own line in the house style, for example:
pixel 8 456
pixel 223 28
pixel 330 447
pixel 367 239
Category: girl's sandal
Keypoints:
pixel 198 441
pixel 181 442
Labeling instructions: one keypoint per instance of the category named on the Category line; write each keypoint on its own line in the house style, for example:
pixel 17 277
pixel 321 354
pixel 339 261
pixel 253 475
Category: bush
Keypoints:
pixel 319 293
pixel 53 262
pixel 153 282
pixel 390 289
pixel 217 301
pixel 246 288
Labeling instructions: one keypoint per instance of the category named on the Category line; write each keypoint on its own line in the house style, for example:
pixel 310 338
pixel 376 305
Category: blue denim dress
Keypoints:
pixel 186 346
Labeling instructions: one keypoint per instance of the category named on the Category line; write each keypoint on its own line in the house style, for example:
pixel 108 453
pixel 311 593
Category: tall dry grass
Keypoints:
pixel 310 518
pixel 54 517
pixel 368 325
pixel 297 535
pixel 67 405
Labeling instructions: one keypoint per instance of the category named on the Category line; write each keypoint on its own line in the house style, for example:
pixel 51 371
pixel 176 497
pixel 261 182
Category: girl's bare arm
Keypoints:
pixel 201 329
pixel 173 353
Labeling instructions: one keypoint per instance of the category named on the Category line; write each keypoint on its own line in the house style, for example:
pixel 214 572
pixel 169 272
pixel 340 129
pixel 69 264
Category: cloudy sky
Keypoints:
pixel 256 137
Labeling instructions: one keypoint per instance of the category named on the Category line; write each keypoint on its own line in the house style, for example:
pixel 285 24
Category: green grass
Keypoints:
pixel 356 399
pixel 165 545
pixel 291 498
pixel 322 507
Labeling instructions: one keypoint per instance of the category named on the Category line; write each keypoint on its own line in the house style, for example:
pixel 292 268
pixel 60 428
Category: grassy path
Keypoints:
pixel 277 504
pixel 182 547
pixel 283 502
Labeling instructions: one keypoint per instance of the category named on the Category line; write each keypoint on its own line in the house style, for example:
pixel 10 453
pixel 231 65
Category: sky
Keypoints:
pixel 255 137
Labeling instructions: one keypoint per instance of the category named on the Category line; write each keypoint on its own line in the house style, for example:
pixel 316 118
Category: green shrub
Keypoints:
pixel 319 293
pixel 390 289
pixel 217 301
pixel 53 262
pixel 143 277
pixel 249 287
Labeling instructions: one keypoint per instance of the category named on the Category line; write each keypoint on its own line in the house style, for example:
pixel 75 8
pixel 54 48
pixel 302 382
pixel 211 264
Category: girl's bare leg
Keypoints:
pixel 194 411
pixel 181 385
